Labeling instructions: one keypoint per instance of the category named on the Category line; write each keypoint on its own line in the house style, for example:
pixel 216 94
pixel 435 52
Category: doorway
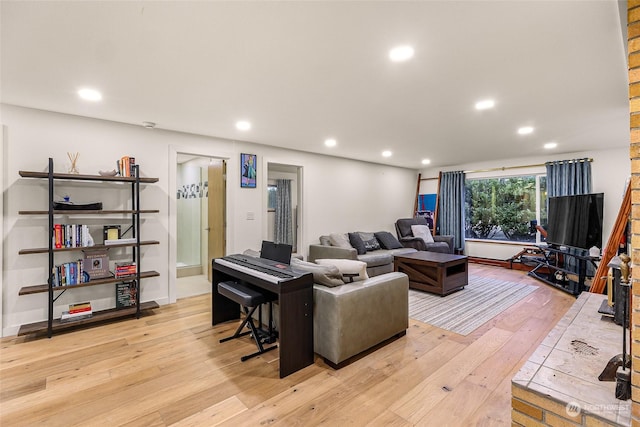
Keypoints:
pixel 288 178
pixel 200 212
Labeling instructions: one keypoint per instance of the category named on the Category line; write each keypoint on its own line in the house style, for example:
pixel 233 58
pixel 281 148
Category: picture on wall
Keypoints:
pixel 248 170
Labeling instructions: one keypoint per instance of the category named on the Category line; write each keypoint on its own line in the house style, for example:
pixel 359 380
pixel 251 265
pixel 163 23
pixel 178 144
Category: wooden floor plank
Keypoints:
pixel 169 369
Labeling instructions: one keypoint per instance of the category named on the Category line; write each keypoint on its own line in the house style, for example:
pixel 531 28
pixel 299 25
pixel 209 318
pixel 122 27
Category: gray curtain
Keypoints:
pixel 569 178
pixel 283 230
pixel 451 206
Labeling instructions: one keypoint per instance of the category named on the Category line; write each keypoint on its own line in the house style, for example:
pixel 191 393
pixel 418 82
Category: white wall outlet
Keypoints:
pixel 251 215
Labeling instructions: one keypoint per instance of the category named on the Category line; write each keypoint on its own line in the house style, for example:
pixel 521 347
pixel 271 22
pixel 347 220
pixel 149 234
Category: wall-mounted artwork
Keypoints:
pixel 248 170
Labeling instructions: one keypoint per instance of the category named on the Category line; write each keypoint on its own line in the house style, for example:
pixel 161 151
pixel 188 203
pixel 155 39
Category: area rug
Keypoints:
pixel 464 311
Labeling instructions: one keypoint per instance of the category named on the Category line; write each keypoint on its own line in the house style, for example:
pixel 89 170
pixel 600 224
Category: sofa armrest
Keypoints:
pixel 447 239
pixel 413 242
pixel 331 252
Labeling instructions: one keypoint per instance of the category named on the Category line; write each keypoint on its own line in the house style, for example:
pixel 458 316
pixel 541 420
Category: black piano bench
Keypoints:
pixel 249 299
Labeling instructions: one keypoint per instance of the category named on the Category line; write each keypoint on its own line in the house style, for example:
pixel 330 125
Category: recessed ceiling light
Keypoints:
pixel 401 53
pixel 525 130
pixel 330 142
pixel 485 104
pixel 550 145
pixel 243 125
pixel 386 153
pixel 148 125
pixel 426 161
pixel 90 94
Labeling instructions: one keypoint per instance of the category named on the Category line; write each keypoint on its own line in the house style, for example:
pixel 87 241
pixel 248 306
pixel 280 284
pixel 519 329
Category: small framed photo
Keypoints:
pixel 248 170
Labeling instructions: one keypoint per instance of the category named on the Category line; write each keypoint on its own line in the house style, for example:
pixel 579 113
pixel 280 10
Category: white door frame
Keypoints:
pixel 173 211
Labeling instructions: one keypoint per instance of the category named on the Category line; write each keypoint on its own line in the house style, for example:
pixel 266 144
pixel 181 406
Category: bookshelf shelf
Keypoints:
pixel 52 325
pixel 98 316
pixel 83 248
pixel 90 212
pixel 78 177
pixel 37 289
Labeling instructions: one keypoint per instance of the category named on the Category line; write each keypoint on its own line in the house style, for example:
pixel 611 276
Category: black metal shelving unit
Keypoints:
pixel 54 292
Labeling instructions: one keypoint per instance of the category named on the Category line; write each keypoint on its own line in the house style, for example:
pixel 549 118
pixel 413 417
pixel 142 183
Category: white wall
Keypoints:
pixel 338 195
pixel 610 170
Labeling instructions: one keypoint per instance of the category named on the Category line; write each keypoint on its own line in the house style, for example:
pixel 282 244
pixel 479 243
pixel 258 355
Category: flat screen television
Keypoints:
pixel 576 221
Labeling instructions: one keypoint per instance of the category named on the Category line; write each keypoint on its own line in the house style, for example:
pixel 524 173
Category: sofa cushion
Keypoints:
pixel 347 267
pixel 377 258
pixel 327 275
pixel 387 240
pixel 441 247
pixel 370 241
pixel 401 251
pixel 340 240
pixel 356 242
pixel 423 232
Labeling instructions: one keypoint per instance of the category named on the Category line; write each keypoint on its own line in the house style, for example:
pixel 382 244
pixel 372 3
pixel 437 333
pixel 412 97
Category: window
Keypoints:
pixel 271 198
pixel 505 208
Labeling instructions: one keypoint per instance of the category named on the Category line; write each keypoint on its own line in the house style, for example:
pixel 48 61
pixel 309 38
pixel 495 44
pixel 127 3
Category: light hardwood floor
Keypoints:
pixel 168 369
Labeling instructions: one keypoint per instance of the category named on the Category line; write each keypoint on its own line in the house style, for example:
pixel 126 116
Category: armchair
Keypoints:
pixel 442 244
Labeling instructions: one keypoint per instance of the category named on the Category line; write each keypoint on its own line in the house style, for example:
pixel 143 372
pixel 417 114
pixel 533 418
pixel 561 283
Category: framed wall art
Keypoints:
pixel 248 170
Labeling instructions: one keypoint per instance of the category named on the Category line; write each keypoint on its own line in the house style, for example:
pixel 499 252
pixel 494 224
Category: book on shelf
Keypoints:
pixel 68 274
pixel 111 232
pixel 71 236
pixel 120 241
pixel 81 307
pixel 126 294
pixel 124 269
pixel 67 317
pixel 126 166
pixel 96 263
pixel 77 311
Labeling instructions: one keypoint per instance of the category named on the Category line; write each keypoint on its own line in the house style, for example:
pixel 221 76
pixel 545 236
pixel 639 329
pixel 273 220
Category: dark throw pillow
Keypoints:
pixel 370 241
pixel 388 240
pixel 356 242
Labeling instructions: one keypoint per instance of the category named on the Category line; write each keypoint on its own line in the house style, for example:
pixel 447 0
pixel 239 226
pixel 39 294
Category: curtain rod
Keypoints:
pixel 504 168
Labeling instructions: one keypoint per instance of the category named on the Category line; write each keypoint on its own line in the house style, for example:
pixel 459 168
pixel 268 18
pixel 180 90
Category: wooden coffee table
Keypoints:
pixel 434 272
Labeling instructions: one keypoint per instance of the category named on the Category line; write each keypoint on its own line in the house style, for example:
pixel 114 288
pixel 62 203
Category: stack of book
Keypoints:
pixel 124 269
pixel 126 166
pixel 77 311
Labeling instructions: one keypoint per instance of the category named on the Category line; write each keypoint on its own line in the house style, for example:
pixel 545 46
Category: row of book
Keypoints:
pixel 125 166
pixel 77 311
pixel 71 236
pixel 124 269
pixel 69 273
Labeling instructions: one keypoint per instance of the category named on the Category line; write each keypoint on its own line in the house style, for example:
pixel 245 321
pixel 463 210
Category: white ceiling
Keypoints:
pixel 305 71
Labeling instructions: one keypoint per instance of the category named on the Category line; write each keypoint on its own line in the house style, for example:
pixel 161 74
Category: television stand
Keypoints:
pixel 552 269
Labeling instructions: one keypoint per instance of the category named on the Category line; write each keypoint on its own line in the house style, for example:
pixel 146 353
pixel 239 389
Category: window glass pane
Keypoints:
pixel 271 201
pixel 502 208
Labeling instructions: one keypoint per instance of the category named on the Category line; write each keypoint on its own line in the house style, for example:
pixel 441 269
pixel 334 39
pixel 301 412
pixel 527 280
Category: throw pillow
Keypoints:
pixel 423 232
pixel 350 269
pixel 356 242
pixel 327 275
pixel 370 241
pixel 340 240
pixel 251 252
pixel 387 240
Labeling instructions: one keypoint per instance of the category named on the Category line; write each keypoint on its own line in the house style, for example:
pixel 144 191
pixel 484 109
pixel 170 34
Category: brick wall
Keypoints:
pixel 633 29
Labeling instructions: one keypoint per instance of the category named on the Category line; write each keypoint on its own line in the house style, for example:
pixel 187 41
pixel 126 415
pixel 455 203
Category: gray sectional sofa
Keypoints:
pixel 379 261
pixel 354 317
